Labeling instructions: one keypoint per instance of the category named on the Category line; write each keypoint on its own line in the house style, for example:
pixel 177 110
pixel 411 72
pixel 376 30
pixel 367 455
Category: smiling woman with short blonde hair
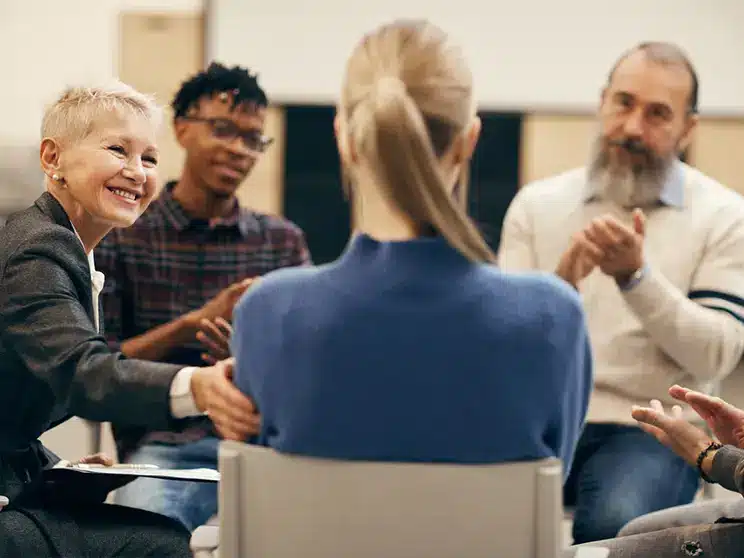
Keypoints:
pixel 99 155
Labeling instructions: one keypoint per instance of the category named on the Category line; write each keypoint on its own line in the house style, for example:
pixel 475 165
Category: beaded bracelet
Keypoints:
pixel 712 446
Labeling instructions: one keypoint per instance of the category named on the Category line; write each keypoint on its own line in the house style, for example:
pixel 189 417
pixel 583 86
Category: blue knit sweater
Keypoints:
pixel 406 351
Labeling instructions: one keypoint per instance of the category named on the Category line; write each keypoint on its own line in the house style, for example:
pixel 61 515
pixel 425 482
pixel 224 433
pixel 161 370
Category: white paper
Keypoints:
pixel 203 475
pixel 596 552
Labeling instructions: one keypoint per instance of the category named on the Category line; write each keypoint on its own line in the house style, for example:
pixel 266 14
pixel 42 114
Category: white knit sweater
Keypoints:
pixel 683 323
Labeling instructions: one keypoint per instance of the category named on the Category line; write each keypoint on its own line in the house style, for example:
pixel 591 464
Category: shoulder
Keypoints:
pixel 712 201
pixel 33 248
pixel 30 231
pixel 537 290
pixel 278 289
pixel 716 215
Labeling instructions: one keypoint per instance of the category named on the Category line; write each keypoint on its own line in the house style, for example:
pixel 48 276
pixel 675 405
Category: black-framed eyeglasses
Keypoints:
pixel 227 130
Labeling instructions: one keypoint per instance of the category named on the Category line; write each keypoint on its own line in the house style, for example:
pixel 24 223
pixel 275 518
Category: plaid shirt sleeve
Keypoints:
pixel 300 254
pixel 112 297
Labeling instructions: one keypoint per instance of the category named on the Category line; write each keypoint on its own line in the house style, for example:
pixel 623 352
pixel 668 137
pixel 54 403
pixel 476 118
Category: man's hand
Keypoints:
pixel 215 336
pixel 621 246
pixel 578 261
pixel 233 414
pixel 683 438
pixel 725 420
pixel 222 305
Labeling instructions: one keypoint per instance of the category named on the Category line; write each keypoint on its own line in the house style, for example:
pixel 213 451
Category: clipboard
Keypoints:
pixel 82 483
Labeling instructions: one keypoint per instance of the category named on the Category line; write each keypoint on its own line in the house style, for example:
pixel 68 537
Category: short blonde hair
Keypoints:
pixel 407 94
pixel 75 113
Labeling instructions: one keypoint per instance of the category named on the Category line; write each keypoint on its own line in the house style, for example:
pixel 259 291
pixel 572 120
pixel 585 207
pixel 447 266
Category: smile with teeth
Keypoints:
pixel 124 194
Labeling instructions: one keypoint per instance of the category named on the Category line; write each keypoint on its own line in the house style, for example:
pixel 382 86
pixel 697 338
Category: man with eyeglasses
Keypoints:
pixel 184 264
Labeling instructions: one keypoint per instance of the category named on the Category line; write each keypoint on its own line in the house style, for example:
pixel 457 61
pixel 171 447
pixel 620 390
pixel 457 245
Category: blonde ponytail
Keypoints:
pixel 395 140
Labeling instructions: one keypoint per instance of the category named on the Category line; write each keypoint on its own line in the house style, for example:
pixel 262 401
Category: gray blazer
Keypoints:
pixel 53 362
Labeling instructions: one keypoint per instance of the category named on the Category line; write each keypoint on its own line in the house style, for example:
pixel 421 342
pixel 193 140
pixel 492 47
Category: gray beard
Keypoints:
pixel 628 186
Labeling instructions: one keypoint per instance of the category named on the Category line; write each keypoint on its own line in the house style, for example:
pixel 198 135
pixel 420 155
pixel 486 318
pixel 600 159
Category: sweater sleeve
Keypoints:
pixel 703 330
pixel 728 468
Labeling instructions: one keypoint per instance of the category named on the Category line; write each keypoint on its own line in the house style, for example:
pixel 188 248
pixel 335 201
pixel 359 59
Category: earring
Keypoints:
pixel 55 177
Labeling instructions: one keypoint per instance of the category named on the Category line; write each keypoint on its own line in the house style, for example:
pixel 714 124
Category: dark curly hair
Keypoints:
pixel 218 79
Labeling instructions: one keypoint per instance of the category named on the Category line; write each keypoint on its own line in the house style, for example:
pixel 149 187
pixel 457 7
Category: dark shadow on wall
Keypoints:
pixel 313 197
pixel 494 176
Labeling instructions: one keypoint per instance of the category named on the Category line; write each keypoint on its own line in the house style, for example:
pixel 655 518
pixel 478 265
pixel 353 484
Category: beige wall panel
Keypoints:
pixel 554 143
pixel 157 52
pixel 718 150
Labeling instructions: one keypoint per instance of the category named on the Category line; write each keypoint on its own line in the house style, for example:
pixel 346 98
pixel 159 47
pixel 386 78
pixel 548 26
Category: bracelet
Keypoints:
pixel 712 446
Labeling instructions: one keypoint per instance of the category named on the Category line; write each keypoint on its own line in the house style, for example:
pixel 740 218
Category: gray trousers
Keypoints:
pixel 697 513
pixel 705 541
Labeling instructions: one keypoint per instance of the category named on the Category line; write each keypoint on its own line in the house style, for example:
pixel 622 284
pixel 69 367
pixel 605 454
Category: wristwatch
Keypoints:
pixel 634 279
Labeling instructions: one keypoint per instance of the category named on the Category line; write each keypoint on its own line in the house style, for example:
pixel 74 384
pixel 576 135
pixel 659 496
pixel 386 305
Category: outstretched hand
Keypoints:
pixel 724 420
pixel 672 430
pixel 215 336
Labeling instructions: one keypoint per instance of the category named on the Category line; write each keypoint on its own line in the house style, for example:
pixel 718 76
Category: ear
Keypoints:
pixel 345 149
pixel 602 98
pixel 689 132
pixel 180 131
pixel 469 142
pixel 50 154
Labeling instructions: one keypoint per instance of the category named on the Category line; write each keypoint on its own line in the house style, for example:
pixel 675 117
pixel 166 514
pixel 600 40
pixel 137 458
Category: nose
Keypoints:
pixel 134 171
pixel 238 147
pixel 634 124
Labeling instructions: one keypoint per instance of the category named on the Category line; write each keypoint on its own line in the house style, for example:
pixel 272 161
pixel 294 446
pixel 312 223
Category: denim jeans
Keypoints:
pixel 620 473
pixel 191 503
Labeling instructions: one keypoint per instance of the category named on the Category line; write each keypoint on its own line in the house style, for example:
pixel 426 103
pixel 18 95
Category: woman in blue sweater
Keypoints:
pixel 413 346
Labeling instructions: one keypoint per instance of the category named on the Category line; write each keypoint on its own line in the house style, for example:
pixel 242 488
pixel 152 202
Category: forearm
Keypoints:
pixel 156 343
pixel 106 387
pixel 707 343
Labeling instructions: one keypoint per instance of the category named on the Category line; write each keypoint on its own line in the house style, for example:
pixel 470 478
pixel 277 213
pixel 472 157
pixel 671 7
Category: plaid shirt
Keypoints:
pixel 168 264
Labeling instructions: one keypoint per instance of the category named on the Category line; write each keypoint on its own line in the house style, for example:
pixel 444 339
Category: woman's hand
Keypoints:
pixel 234 415
pixel 682 437
pixel 215 336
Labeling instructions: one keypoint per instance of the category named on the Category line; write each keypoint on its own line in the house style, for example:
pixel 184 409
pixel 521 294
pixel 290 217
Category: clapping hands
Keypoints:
pixel 605 242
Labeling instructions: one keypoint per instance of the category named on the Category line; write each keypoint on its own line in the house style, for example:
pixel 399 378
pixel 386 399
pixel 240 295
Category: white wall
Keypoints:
pixel 529 54
pixel 48 44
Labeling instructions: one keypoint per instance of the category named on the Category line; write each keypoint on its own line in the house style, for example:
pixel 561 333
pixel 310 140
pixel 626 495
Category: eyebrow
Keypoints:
pixel 627 94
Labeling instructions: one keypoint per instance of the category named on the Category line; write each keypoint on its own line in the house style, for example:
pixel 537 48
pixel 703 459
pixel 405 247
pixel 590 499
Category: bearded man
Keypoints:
pixel 656 249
